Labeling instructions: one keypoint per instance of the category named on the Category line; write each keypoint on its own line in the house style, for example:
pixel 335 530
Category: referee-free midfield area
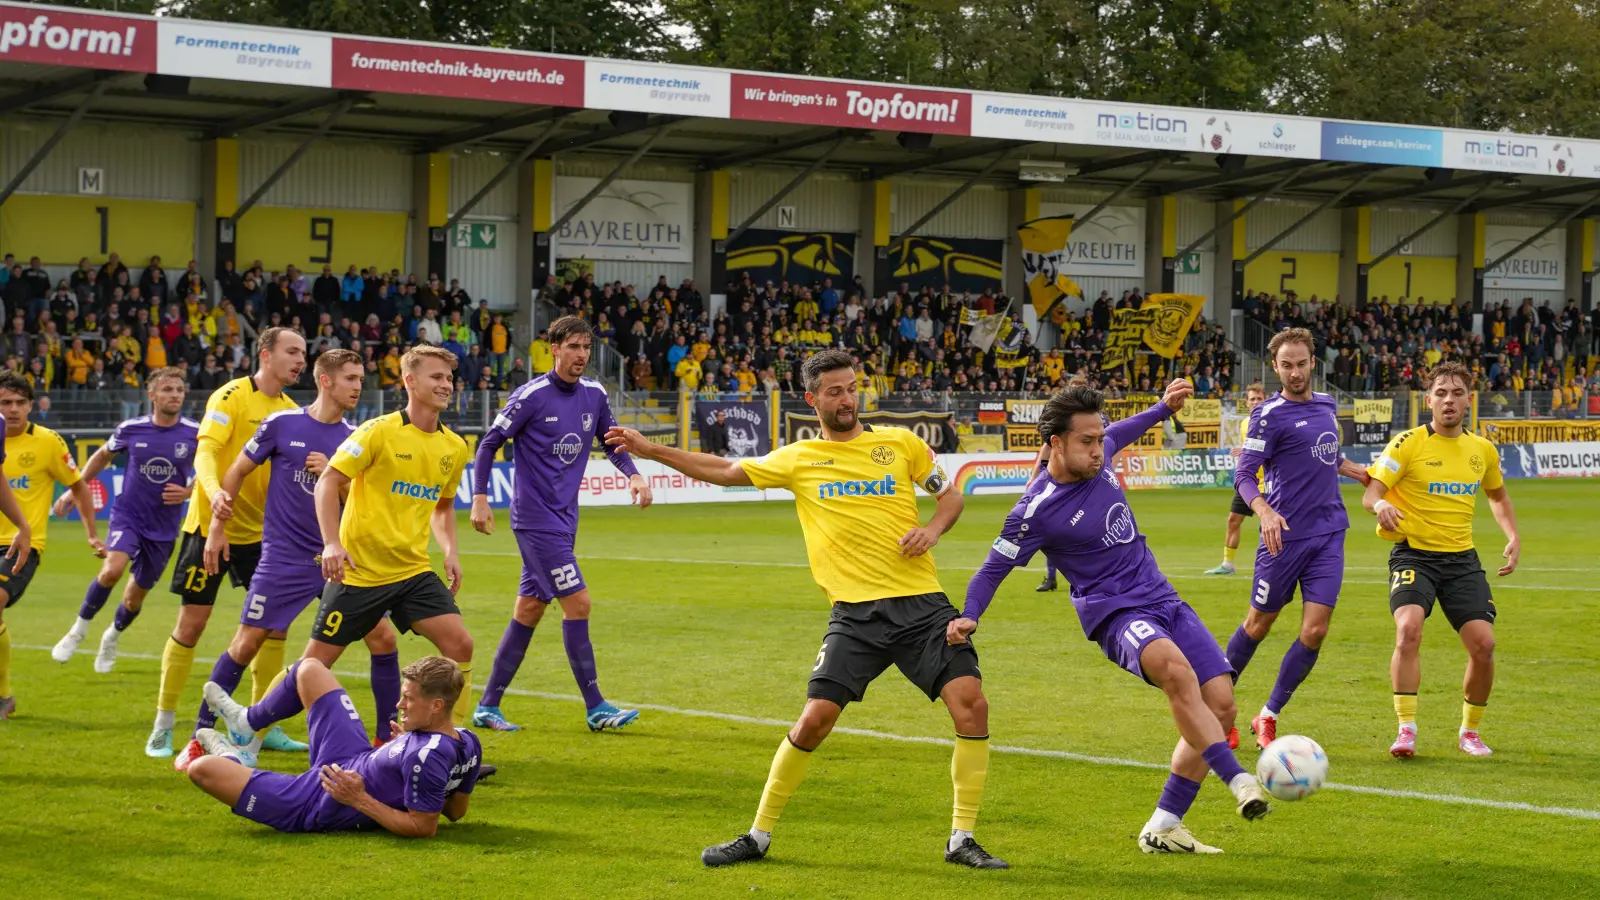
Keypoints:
pixel 707 619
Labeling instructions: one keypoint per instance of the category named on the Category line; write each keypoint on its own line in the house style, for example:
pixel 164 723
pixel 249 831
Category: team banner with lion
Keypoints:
pixel 1044 251
pixel 1160 324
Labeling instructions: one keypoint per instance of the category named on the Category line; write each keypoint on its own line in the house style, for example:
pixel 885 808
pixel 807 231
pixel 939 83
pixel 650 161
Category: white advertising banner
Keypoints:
pixel 1568 460
pixel 1540 266
pixel 1110 245
pixel 1129 125
pixel 646 221
pixel 669 90
pixel 244 53
pixel 603 485
pixel 1495 152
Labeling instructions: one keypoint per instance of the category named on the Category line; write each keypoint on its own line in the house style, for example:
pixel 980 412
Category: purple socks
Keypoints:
pixel 1297 663
pixel 508 658
pixel 580 655
pixel 1220 759
pixel 1240 648
pixel 94 599
pixel 124 617
pixel 283 701
pixel 1178 795
pixel 226 672
pixel 385 689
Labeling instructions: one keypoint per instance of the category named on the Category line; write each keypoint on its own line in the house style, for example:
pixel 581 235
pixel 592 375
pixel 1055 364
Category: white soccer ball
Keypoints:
pixel 1292 767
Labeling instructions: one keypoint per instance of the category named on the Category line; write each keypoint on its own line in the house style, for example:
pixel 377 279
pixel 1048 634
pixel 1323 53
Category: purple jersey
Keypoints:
pixel 1298 443
pixel 157 456
pixel 551 425
pixel 290 535
pixel 1087 531
pixel 420 768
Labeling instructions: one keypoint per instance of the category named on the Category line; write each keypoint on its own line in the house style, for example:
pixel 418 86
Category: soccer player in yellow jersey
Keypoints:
pixel 233 413
pixel 1254 396
pixel 1424 492
pixel 36 459
pixel 402 471
pixel 855 490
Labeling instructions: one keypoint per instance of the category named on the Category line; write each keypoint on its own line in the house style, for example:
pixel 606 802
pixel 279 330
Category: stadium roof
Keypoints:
pixel 223 80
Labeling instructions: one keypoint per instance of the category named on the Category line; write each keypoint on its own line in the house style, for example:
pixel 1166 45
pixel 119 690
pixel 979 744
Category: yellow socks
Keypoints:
pixel 5 660
pixel 788 770
pixel 1405 708
pixel 464 705
pixel 1228 552
pixel 1471 715
pixel 176 662
pixel 969 768
pixel 265 668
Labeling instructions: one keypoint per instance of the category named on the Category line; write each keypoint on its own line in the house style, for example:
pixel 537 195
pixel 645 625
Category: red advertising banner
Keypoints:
pixel 473 74
pixel 31 34
pixel 804 101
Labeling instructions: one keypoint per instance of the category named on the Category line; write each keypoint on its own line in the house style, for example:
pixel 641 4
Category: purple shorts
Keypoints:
pixel 1316 564
pixel 279 593
pixel 148 557
pixel 297 803
pixel 1124 636
pixel 549 568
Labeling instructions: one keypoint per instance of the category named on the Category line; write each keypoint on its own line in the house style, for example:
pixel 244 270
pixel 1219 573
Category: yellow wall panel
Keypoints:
pixel 61 229
pixel 308 238
pixel 1307 274
pixel 1426 279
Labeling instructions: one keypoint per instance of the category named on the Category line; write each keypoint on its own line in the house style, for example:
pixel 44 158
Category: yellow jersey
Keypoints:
pixel 398 473
pixel 1434 480
pixel 856 499
pixel 36 460
pixel 1244 435
pixel 233 413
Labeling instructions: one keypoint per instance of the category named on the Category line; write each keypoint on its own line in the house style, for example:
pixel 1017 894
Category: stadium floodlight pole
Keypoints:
pixel 54 139
pixel 1429 225
pixel 788 189
pixel 1576 211
pixel 605 182
pixel 952 197
pixel 1120 192
pixel 332 119
pixel 1316 211
pixel 507 169
pixel 1258 199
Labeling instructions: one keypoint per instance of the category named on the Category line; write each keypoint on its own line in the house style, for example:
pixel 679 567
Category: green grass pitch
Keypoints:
pixel 707 616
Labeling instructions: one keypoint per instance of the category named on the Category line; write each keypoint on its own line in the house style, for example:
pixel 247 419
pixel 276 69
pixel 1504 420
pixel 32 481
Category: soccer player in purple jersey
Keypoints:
pixel 1078 516
pixel 1295 436
pixel 429 769
pixel 551 423
pixel 298 444
pixel 145 516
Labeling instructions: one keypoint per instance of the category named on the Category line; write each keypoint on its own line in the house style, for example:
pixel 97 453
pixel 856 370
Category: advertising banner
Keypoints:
pixel 1496 152
pixel 244 53
pixel 1372 419
pixel 1023 438
pixel 435 70
pixel 647 221
pixel 749 425
pixel 807 101
pixel 1111 245
pixel 1540 266
pixel 1575 460
pixel 792 256
pixel 930 426
pixel 1141 469
pixel 1539 431
pixel 668 90
pixel 53 37
pixel 1395 145
pixel 1160 323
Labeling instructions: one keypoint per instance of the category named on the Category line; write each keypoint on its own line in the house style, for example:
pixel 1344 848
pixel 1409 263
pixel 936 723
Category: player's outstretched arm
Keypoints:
pixel 1506 517
pixel 704 466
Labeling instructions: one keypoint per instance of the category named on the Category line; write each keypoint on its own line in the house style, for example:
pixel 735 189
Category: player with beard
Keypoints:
pixel 551 423
pixel 146 515
pixel 1294 439
pixel 855 491
pixel 1078 516
pixel 1424 492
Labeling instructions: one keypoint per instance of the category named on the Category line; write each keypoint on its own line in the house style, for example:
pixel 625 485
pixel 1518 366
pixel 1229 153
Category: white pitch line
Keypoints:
pixel 1454 799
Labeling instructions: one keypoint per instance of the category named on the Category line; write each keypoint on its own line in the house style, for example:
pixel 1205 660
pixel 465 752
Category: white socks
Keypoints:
pixel 1241 784
pixel 1268 713
pixel 166 719
pixel 957 838
pixel 1162 821
pixel 763 838
pixel 80 628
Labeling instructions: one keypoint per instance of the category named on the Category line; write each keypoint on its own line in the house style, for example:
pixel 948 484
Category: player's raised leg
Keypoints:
pixel 94 599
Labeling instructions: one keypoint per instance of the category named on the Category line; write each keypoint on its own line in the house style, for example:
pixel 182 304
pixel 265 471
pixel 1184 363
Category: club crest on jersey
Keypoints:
pixel 445 462
pixel 567 448
pixel 883 455
pixel 588 421
pixel 180 450
pixel 1326 449
pixel 27 459
pixel 1476 462
pixel 1119 525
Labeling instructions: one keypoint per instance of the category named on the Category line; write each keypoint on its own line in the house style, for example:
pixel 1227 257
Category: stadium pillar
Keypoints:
pixel 711 230
pixel 1161 243
pixel 536 181
pixel 1580 262
pixel 219 176
pixel 1022 205
pixel 872 249
pixel 1469 260
pixel 1227 285
pixel 430 210
pixel 1355 253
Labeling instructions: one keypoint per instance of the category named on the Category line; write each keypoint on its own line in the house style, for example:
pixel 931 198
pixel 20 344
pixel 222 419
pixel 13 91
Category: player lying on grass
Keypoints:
pixel 428 769
pixel 1078 516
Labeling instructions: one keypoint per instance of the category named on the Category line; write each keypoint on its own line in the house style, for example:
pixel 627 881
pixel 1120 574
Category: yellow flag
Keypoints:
pixel 1174 315
pixel 1044 250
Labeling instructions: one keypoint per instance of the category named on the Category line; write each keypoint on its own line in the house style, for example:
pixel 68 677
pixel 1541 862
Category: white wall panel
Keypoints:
pixel 827 201
pixel 331 175
pixel 1320 235
pixel 469 172
pixel 1535 220
pixel 1201 283
pixel 141 163
pixel 978 213
pixel 1493 296
pixel 642 275
pixel 488 274
pixel 582 165
pixel 1390 225
pixel 1195 219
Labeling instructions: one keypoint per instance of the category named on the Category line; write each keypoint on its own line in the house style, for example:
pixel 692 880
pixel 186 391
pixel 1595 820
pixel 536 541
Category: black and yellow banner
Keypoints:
pixel 1372 420
pixel 1044 251
pixel 930 426
pixel 1540 432
pixel 1160 324
pixel 795 257
pixel 965 264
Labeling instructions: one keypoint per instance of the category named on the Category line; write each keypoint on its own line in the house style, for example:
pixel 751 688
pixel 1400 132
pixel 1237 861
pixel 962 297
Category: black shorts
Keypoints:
pixel 189 579
pixel 1455 579
pixel 1239 507
pixel 347 613
pixel 863 639
pixel 14 579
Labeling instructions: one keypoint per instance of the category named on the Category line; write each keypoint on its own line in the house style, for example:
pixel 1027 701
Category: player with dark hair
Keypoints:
pixel 1254 395
pixel 1078 516
pixel 1424 492
pixel 551 423
pixel 297 443
pixel 855 491
pixel 1294 439
pixel 233 413
pixel 145 518
pixel 36 460
pixel 427 770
